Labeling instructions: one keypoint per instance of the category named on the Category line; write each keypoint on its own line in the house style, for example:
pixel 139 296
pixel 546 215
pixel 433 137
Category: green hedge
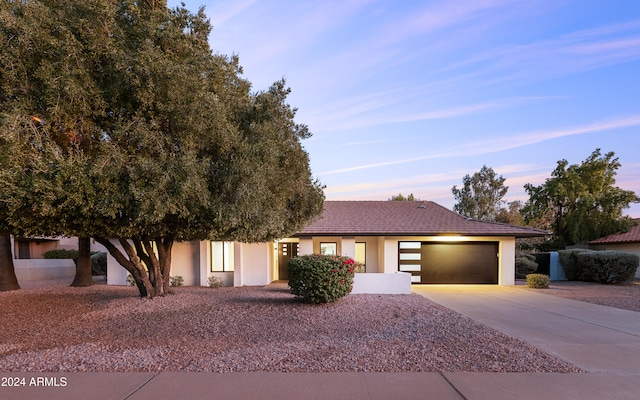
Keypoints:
pixel 62 254
pixel 607 266
pixel 321 279
pixel 99 263
pixel 525 264
pixel 572 270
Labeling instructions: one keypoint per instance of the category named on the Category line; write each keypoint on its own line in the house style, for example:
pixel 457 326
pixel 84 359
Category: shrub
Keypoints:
pixel 61 254
pixel 321 279
pixel 215 282
pixel 99 263
pixel 525 264
pixel 607 266
pixel 130 280
pixel 572 269
pixel 176 280
pixel 98 259
pixel 538 281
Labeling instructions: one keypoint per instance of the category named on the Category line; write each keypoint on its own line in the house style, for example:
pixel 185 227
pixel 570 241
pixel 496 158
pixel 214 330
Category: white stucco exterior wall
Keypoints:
pixel 348 246
pixel 185 262
pixel 390 255
pixel 253 264
pixel 506 262
pixel 306 246
pixel 116 274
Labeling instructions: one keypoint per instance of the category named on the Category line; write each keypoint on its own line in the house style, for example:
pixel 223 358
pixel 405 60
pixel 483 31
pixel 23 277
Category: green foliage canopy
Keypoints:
pixel 120 122
pixel 481 195
pixel 579 203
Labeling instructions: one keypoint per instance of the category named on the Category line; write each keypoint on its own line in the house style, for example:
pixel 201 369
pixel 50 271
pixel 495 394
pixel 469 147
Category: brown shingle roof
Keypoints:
pixel 633 236
pixel 395 218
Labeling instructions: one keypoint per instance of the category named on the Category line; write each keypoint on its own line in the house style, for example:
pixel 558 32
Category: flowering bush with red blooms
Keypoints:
pixel 321 279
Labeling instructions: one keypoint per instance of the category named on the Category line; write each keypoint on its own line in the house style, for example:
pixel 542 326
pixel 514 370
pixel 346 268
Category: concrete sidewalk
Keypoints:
pixel 593 337
pixel 602 340
pixel 331 386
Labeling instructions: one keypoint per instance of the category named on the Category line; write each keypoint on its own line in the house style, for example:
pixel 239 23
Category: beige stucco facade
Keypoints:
pixel 256 264
pixel 382 251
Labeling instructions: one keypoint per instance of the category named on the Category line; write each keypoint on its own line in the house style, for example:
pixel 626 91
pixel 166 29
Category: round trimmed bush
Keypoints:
pixel 321 279
pixel 538 281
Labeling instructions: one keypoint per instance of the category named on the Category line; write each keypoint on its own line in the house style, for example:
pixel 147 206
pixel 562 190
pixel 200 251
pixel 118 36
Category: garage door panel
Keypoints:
pixel 473 263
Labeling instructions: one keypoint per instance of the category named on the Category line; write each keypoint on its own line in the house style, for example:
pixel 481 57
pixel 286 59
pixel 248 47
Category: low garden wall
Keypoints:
pixel 42 269
pixel 380 283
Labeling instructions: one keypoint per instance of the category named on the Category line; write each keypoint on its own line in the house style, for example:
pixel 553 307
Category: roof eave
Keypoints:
pixel 444 234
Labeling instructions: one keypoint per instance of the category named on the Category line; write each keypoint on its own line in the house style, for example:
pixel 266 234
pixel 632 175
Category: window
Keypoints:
pixel 329 249
pixel 410 259
pixel 361 255
pixel 221 256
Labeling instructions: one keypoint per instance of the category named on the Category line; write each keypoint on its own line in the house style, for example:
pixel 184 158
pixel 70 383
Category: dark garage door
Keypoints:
pixel 469 262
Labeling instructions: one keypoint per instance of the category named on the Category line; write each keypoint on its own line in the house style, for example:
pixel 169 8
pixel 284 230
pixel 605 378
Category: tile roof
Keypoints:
pixel 396 218
pixel 633 236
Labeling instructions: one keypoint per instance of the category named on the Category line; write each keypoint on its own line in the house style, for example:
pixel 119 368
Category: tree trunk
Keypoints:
pixel 164 254
pixel 154 265
pixel 131 262
pixel 8 280
pixel 84 276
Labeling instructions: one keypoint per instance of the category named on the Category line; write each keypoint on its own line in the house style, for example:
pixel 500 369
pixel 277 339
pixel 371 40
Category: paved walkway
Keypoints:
pixel 602 340
pixel 330 386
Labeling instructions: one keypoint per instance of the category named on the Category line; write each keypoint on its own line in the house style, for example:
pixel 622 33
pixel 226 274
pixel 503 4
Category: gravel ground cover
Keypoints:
pixel 107 328
pixel 624 296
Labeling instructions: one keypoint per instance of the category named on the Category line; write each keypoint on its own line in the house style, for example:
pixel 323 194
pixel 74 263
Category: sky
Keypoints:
pixel 406 96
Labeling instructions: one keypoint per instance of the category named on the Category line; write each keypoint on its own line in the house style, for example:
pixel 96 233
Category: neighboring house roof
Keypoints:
pixel 396 218
pixel 633 236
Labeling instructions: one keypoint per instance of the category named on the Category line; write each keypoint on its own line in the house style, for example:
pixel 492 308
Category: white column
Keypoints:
pixel 306 246
pixel 349 246
pixel 390 256
pixel 204 262
pixel 381 260
pixel 237 264
pixel 506 262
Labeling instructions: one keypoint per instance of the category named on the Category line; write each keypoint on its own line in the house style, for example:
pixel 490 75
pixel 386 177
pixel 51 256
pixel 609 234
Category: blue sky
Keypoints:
pixel 410 96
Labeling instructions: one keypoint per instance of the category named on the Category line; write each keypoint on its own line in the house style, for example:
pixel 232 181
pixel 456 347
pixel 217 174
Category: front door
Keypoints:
pixel 286 250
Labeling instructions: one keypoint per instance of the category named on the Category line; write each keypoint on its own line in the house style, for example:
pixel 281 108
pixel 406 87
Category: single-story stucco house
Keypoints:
pixel 424 241
pixel 628 242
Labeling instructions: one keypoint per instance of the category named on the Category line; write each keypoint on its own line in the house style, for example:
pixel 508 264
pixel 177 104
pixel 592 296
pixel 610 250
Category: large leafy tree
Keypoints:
pixel 42 73
pixel 174 145
pixel 580 202
pixel 481 195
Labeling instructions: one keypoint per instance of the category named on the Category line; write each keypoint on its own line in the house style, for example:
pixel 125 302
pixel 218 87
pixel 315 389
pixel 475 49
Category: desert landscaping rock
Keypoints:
pixel 624 296
pixel 104 328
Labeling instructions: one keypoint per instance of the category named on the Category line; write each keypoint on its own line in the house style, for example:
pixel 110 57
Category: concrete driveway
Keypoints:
pixel 593 337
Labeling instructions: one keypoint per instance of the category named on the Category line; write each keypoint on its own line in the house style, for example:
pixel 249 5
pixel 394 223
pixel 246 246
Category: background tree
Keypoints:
pixel 481 195
pixel 580 202
pixel 175 146
pixel 512 214
pixel 400 197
